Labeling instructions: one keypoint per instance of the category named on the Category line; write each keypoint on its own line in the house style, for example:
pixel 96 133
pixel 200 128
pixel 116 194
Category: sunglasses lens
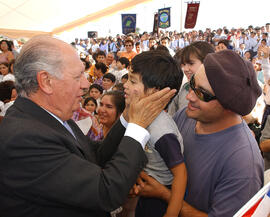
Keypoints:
pixel 199 94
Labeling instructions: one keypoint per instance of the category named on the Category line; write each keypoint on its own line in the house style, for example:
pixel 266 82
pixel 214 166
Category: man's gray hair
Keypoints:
pixel 39 54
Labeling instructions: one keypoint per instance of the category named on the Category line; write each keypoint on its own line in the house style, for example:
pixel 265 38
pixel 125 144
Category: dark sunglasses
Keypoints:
pixel 200 93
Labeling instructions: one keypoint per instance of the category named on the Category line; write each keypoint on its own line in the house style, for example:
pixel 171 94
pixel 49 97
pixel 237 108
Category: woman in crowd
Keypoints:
pixel 129 53
pixel 5 72
pixel 112 104
pixel 6 55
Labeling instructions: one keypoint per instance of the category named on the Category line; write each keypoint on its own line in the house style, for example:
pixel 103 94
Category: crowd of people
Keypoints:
pixel 153 124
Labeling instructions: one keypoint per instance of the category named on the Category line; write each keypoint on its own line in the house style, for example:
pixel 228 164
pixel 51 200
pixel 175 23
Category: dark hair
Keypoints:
pixel 124 60
pixel 6 88
pixel 129 41
pixel 6 64
pixel 8 44
pixel 137 43
pixel 165 38
pixel 101 66
pixel 162 47
pixel 199 49
pixel 119 87
pixel 110 76
pixel 100 53
pixel 225 42
pixel 226 31
pixel 152 39
pixel 125 76
pixel 86 64
pixel 118 100
pixel 10 64
pixel 157 70
pixel 97 86
pixel 264 40
pixel 90 99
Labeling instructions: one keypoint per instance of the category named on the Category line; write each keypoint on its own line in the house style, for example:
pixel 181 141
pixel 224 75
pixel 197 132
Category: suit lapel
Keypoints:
pixel 38 113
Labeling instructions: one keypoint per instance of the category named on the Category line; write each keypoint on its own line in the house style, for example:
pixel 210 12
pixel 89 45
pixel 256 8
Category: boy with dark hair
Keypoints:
pixel 124 61
pixel 99 57
pixel 124 78
pixel 95 91
pixel 108 82
pixel 151 71
pixel 120 68
pixel 99 72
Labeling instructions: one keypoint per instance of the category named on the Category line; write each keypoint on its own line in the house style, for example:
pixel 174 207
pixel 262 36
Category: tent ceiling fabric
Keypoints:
pixel 26 18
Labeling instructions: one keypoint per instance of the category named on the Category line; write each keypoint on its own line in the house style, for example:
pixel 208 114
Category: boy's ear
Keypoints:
pixel 151 90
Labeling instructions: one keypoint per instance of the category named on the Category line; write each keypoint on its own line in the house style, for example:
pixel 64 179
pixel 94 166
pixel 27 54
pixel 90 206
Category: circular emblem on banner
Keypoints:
pixel 164 17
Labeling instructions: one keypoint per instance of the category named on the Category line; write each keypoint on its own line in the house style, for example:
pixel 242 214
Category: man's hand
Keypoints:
pixel 149 187
pixel 144 111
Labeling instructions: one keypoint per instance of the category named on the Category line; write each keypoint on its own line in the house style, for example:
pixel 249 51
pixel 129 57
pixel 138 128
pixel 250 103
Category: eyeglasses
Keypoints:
pixel 201 93
pixel 128 45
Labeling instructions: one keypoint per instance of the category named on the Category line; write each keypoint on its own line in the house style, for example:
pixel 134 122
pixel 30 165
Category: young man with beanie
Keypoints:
pixel 224 164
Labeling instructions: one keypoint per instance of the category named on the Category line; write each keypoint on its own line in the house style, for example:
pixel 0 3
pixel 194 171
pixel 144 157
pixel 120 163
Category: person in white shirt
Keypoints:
pixel 120 68
pixel 94 46
pixel 218 36
pixel 4 71
pixel 8 94
pixel 244 40
pixel 165 41
pixel 108 82
pixel 253 43
pixel 242 50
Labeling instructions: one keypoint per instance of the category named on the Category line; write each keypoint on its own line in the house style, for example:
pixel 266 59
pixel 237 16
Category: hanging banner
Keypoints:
pixel 191 16
pixel 155 27
pixel 128 23
pixel 164 18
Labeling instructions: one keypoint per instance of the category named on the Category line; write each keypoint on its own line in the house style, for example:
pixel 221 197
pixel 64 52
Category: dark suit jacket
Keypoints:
pixel 44 173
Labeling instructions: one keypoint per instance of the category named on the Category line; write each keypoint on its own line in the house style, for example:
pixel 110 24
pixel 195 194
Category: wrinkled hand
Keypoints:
pixel 143 111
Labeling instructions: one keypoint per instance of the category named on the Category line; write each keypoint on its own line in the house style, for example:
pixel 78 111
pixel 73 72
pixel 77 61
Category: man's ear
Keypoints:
pixel 44 80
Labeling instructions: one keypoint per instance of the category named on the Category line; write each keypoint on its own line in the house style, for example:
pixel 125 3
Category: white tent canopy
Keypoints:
pixel 26 18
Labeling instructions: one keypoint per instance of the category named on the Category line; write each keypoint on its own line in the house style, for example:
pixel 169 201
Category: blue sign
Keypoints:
pixel 164 18
pixel 128 23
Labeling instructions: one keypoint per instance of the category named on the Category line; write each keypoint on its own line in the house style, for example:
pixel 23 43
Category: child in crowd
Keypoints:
pixel 120 69
pixel 119 87
pixel 8 94
pixel 95 132
pixel 190 58
pixel 100 70
pixel 99 57
pixel 124 78
pixel 5 73
pixel 95 91
pixel 90 104
pixel 151 71
pixel 108 82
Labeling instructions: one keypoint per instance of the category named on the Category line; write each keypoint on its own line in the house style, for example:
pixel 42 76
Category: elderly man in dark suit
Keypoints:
pixel 48 167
